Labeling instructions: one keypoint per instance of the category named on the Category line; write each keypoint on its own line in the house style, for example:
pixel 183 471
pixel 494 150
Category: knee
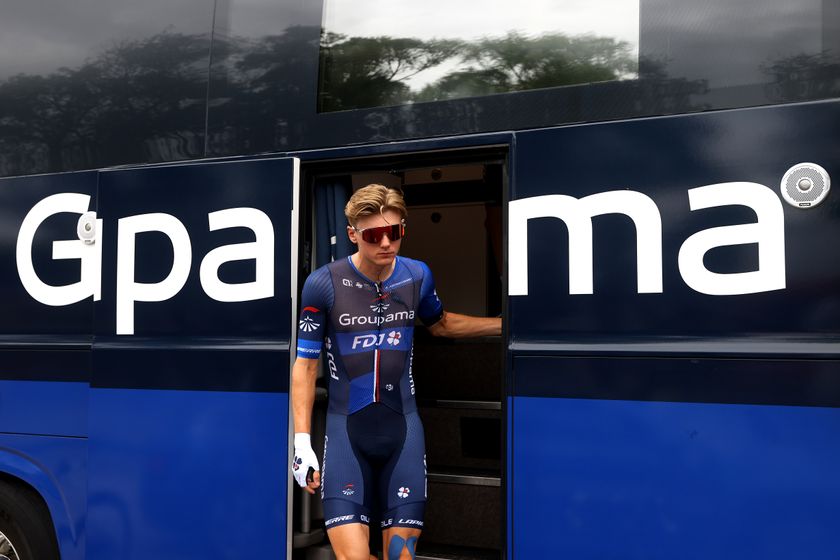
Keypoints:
pixel 402 549
pixel 359 554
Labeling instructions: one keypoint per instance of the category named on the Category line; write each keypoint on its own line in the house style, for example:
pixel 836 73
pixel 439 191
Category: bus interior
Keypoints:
pixel 454 225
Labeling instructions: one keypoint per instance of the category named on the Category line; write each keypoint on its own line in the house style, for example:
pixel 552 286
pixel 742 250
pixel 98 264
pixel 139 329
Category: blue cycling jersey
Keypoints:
pixel 366 329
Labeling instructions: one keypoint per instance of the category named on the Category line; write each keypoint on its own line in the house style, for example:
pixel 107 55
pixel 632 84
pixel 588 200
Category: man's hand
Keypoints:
pixel 305 467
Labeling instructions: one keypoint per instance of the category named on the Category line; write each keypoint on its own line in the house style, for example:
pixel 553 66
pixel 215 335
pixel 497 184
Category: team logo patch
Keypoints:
pixel 379 303
pixel 389 387
pixel 307 324
pixel 403 491
pixel 348 490
pixel 394 338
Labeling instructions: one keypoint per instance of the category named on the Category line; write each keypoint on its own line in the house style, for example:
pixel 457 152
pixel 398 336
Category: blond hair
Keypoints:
pixel 374 199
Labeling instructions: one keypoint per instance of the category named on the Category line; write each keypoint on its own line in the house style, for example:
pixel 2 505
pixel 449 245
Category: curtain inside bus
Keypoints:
pixel 331 195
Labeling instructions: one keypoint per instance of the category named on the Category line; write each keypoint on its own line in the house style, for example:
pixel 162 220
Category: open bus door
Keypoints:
pixel 189 393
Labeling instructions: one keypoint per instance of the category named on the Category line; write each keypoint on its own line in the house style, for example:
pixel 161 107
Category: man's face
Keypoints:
pixel 377 254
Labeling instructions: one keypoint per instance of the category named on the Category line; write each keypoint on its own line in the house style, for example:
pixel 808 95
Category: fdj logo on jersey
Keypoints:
pixel 362 341
pixel 331 359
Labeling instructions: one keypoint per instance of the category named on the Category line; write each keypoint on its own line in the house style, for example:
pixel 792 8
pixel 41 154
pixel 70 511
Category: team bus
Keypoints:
pixel 641 189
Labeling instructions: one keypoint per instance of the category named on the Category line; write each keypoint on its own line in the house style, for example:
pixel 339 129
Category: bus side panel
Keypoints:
pixel 189 395
pixel 43 407
pixel 187 474
pixel 662 190
pixel 649 480
pixel 46 300
pixel 46 314
pixel 680 398
pixel 56 467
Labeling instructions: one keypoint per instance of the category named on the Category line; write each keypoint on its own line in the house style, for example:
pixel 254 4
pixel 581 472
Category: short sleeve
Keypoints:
pixel 316 301
pixel 430 309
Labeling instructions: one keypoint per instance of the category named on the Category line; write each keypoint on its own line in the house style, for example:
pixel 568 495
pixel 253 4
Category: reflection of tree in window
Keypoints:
pixel 372 71
pixel 804 76
pixel 518 63
pixel 137 101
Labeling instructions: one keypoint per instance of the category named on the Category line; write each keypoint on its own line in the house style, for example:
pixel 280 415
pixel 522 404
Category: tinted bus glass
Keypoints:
pixel 376 53
pixel 101 82
pixel 115 82
pixel 268 65
pixel 698 56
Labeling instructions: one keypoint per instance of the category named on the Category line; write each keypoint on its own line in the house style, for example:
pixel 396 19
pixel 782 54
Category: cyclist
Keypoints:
pixel 361 311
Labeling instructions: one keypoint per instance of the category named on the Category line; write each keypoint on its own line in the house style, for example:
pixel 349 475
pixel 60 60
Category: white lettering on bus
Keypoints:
pixel 261 251
pixel 129 290
pixel 577 214
pixel 767 232
pixel 89 255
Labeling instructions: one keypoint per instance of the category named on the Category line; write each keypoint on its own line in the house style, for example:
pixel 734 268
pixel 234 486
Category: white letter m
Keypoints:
pixel 577 214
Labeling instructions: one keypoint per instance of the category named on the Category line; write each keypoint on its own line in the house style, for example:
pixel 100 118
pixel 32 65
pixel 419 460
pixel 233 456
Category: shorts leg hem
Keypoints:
pixel 408 516
pixel 339 512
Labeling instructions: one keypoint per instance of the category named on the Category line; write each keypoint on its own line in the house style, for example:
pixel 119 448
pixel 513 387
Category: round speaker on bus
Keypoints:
pixel 805 185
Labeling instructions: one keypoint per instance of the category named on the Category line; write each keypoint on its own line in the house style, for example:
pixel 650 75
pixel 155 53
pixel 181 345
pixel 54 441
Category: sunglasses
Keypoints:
pixel 375 234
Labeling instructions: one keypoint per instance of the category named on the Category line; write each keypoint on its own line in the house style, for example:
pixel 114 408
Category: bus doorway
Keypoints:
pixel 455 225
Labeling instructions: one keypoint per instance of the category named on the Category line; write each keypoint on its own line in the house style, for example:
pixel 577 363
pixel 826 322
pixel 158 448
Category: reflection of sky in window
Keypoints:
pixel 470 20
pixel 735 37
pixel 39 36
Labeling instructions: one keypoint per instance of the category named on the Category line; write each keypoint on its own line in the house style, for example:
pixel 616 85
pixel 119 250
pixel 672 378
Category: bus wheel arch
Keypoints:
pixel 26 526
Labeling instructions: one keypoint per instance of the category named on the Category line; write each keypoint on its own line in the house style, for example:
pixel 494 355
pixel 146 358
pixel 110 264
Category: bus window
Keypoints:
pixel 504 48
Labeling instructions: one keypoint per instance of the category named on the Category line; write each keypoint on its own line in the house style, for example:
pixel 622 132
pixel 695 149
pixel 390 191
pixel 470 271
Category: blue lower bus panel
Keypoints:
pixel 184 475
pixel 44 408
pixel 656 480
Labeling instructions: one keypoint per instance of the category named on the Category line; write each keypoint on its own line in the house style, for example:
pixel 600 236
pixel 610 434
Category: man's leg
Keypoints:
pixel 399 543
pixel 402 494
pixel 350 541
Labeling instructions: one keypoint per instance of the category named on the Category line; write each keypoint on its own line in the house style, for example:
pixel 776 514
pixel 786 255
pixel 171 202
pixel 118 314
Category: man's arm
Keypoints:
pixel 304 374
pixel 455 325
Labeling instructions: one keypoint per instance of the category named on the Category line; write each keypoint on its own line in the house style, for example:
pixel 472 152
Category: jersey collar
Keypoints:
pixel 397 263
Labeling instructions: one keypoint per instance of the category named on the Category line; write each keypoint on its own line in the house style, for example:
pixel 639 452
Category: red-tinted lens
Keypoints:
pixel 374 234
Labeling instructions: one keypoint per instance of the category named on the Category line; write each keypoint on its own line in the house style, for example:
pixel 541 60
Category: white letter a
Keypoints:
pixel 768 232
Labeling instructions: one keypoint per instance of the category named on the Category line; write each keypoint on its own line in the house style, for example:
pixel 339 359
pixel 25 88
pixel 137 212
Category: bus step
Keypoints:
pixel 466 480
pixel 303 540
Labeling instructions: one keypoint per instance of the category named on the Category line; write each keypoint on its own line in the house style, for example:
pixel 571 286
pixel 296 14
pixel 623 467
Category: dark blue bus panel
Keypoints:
pixel 180 428
pixel 188 408
pixel 687 359
pixel 45 340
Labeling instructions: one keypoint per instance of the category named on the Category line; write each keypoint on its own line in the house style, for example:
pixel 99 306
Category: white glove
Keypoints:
pixel 305 459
